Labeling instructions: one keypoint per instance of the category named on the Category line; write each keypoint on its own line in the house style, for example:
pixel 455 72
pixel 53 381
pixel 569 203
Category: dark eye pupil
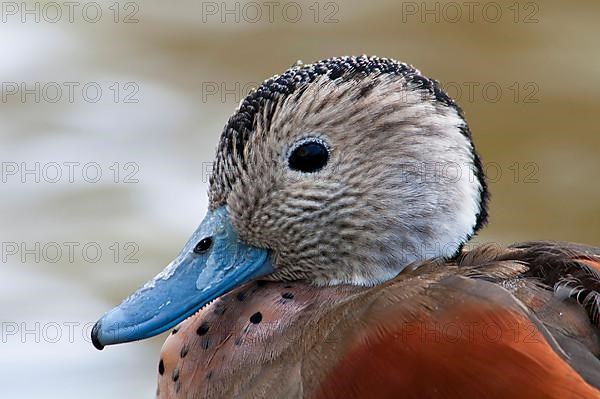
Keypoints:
pixel 203 245
pixel 309 157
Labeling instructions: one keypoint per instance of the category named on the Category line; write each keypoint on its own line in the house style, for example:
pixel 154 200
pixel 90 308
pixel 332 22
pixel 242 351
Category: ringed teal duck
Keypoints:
pixel 330 263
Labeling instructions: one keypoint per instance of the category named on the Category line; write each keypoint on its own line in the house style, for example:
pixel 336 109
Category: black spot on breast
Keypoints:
pixel 184 351
pixel 261 283
pixel 175 375
pixel 203 329
pixel 287 286
pixel 256 318
pixel 237 342
pixel 241 296
pixel 219 310
pixel 161 367
pixel 205 343
pixel 209 375
pixel 287 295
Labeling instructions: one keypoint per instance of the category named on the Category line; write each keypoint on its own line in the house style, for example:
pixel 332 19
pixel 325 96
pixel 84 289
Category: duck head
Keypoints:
pixel 344 171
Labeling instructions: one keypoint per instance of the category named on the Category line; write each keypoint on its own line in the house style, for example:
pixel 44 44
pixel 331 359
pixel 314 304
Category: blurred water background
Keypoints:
pixel 108 124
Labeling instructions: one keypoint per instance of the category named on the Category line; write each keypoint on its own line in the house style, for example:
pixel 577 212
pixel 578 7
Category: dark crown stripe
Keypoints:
pixel 340 69
pixel 241 124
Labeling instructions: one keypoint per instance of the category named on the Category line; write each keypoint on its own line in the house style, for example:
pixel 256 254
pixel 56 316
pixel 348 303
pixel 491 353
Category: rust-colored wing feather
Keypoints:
pixel 516 322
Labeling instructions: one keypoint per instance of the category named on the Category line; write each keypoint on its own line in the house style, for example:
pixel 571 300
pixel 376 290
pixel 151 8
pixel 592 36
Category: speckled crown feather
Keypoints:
pixel 295 80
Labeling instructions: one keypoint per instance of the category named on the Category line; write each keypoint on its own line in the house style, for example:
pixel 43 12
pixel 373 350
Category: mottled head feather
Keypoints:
pixel 368 109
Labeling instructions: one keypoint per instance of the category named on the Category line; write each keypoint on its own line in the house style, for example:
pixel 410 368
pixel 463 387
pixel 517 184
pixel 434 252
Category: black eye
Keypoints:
pixel 310 156
pixel 203 245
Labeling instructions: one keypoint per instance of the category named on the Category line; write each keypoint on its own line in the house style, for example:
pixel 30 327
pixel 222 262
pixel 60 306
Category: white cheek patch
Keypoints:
pixel 459 189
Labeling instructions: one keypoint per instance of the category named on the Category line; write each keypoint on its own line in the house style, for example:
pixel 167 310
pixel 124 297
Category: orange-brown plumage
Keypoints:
pixel 473 351
pixel 481 327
